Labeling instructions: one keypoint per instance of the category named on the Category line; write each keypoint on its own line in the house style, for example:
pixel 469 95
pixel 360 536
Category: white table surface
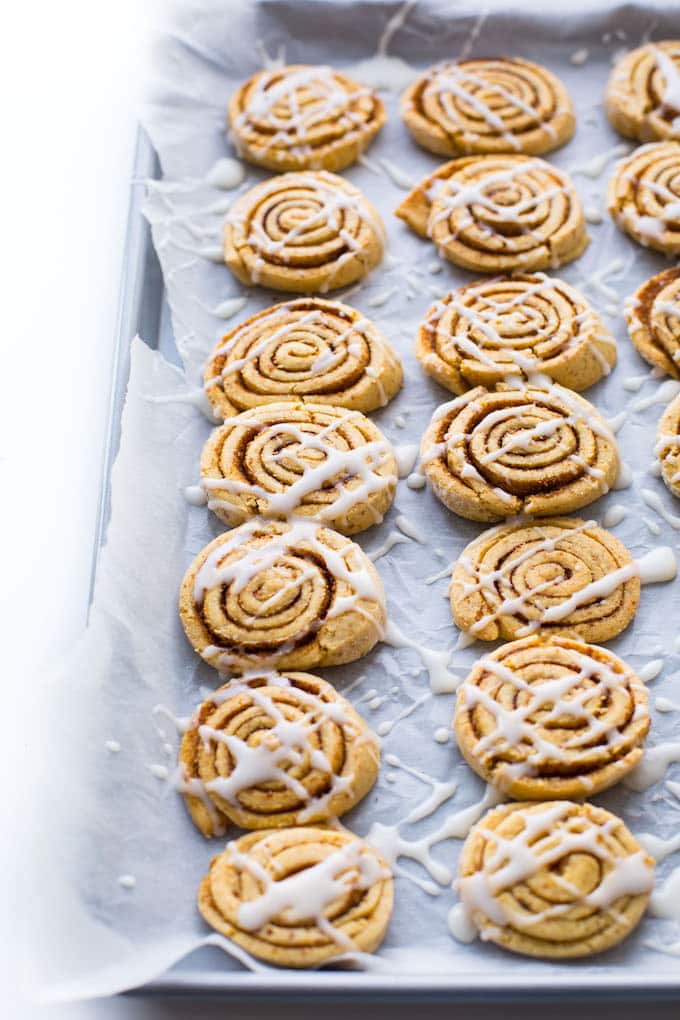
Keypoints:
pixel 74 75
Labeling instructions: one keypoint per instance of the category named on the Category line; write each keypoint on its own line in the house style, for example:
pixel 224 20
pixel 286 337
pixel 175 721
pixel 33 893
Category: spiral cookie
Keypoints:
pixel 297 897
pixel 274 751
pixel 498 213
pixel 291 594
pixel 514 325
pixel 303 232
pixel 653 318
pixel 643 93
pixel 548 717
pixel 316 350
pixel 303 117
pixel 554 880
pixel 488 105
pixel 644 196
pixel 668 446
pixel 493 454
pixel 311 460
pixel 561 575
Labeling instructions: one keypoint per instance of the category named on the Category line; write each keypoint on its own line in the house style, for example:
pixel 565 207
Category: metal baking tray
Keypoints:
pixel 144 310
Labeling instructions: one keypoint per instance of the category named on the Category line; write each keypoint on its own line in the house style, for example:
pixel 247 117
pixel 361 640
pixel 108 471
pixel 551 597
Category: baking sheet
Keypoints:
pixel 134 655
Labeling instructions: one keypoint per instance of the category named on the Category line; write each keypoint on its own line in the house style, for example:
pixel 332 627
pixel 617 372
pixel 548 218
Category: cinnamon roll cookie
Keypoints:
pixel 272 751
pixel 494 454
pixel 644 196
pixel 653 319
pixel 667 447
pixel 310 460
pixel 516 325
pixel 548 717
pixel 303 232
pixel 643 93
pixel 287 594
pixel 303 117
pixel 561 576
pixel 488 105
pixel 499 213
pixel 298 897
pixel 554 880
pixel 311 349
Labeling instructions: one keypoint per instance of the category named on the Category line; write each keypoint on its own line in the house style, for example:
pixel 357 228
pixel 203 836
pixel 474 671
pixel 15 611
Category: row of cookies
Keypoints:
pixel 306 117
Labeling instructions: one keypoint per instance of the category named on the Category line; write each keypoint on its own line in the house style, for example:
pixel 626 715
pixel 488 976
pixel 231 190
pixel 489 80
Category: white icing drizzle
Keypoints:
pixel 671 76
pixel 518 860
pixel 665 901
pixel 666 705
pixel 394 538
pixel 397 175
pixel 442 735
pixel 416 481
pixel 654 502
pixel 382 71
pixel 650 670
pixel 389 842
pixel 595 166
pixel 579 57
pixel 113 746
pixel 127 881
pixel 227 173
pixel 624 479
pixel 653 766
pixel 442 681
pixel 386 727
pixel 666 391
pixel 406 455
pixel 614 514
pixel 159 771
pixel 411 530
pixel 226 309
pixel 441 791
pixel 658 848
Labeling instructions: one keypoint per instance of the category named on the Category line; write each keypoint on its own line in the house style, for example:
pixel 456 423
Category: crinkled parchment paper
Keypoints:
pixel 106 813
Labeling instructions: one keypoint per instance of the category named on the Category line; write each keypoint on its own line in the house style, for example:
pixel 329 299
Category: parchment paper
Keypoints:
pixel 107 813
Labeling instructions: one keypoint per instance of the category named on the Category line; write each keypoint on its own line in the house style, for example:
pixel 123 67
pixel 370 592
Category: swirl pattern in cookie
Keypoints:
pixel 310 460
pixel 293 595
pixel 653 319
pixel 554 880
pixel 491 454
pixel 303 232
pixel 499 213
pixel 548 717
pixel 644 196
pixel 298 897
pixel 311 349
pixel 561 575
pixel 514 326
pixel 275 750
pixel 667 447
pixel 303 117
pixel 488 105
pixel 643 93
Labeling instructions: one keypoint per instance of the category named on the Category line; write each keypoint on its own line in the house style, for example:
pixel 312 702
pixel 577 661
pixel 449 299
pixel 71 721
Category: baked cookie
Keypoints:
pixel 303 232
pixel 642 99
pixel 488 105
pixel 653 319
pixel 303 117
pixel 554 880
pixel 517 325
pixel 311 349
pixel 667 446
pixel 498 213
pixel 310 460
pixel 289 595
pixel 298 897
pixel 644 196
pixel 272 751
pixel 560 575
pixel 548 717
pixel 491 454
